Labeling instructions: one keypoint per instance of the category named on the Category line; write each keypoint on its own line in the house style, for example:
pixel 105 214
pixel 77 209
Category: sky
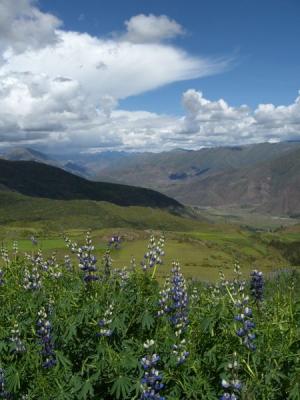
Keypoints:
pixel 148 75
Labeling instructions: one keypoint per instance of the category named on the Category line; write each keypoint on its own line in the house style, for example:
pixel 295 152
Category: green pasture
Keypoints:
pixel 203 248
pixel 201 254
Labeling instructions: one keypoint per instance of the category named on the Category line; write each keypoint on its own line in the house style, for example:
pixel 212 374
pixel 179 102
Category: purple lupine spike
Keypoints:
pixel 87 261
pixel 232 385
pixel 115 242
pixel 152 378
pixel 257 285
pixel 244 317
pixel 16 339
pixel 3 393
pixel 32 279
pixel 154 253
pixel 105 322
pixel 174 303
pixel 44 329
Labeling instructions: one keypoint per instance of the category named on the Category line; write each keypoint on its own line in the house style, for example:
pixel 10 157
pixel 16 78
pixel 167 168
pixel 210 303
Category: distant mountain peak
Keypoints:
pixel 25 154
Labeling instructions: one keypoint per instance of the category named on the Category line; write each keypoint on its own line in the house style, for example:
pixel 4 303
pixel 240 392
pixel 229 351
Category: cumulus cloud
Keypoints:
pixel 107 104
pixel 23 26
pixel 61 89
pixel 151 28
pixel 52 112
pixel 109 67
pixel 217 123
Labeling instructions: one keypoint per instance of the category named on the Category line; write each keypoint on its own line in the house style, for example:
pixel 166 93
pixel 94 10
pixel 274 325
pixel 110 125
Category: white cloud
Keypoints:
pixel 217 123
pixel 151 28
pixel 107 104
pixel 60 89
pixel 125 68
pixel 23 26
pixel 53 112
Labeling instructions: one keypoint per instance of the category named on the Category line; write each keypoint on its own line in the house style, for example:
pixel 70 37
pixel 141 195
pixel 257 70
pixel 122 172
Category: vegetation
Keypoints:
pixel 40 180
pixel 19 212
pixel 77 328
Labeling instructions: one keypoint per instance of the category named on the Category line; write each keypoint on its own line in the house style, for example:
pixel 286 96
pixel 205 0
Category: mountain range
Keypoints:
pixel 264 177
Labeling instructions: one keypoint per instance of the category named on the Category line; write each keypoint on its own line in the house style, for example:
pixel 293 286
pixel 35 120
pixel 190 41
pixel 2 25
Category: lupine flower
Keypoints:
pixel 149 343
pixel 87 261
pixel 246 326
pixel 16 340
pixel 33 240
pixel 244 318
pixel 68 263
pixel 44 334
pixel 179 351
pixel 52 267
pixel 115 242
pixel 232 385
pixel 73 246
pixel 37 260
pixel 133 263
pixel 32 279
pixel 123 275
pixel 257 285
pixel 3 393
pixel 152 379
pixel 174 300
pixel 4 255
pixel 165 299
pixel 15 248
pixel 195 294
pixel 105 322
pixel 154 254
pixel 174 303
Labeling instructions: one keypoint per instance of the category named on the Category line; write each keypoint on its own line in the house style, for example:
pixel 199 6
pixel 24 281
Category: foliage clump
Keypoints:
pixel 79 329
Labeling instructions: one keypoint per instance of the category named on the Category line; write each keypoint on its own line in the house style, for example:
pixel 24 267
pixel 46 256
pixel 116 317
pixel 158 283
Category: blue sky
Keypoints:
pixel 150 75
pixel 261 38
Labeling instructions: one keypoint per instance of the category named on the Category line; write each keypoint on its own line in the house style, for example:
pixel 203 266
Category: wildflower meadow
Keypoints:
pixel 76 327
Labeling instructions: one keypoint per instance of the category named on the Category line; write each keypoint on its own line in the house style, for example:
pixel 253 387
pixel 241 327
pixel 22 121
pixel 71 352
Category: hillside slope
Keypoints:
pixel 272 186
pixel 19 212
pixel 41 180
pixel 173 169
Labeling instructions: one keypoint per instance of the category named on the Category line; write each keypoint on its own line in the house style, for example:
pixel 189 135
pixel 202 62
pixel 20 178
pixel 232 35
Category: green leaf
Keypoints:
pixel 86 390
pixel 121 386
pixel 147 320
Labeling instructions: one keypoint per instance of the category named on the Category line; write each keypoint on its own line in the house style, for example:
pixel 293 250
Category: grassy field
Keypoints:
pixel 202 254
pixel 22 214
pixel 202 247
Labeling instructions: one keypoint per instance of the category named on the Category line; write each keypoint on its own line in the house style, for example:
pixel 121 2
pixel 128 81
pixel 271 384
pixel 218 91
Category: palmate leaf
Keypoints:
pixel 87 389
pixel 295 392
pixel 64 361
pixel 13 378
pixel 147 320
pixel 121 387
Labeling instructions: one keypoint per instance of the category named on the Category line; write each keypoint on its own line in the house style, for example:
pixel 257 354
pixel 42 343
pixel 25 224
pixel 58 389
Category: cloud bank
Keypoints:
pixel 60 89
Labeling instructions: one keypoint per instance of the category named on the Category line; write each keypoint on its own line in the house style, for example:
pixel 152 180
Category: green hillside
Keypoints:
pixel 203 248
pixel 21 211
pixel 40 180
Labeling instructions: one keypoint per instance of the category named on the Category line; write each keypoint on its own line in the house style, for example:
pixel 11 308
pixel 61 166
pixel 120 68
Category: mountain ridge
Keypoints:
pixel 198 177
pixel 41 180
